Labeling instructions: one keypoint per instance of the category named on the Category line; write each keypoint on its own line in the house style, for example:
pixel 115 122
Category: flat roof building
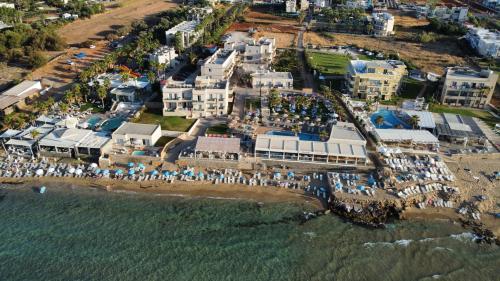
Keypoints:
pixel 270 80
pixel 72 142
pixel 135 134
pixel 484 41
pixel 377 78
pixel 220 65
pixel 346 146
pixel 17 95
pixel 187 33
pixel 468 88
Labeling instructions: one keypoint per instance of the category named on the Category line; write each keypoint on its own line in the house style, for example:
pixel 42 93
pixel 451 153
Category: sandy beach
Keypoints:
pixel 179 189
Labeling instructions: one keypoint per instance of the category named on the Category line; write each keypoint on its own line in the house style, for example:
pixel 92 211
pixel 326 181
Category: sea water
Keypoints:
pixel 84 234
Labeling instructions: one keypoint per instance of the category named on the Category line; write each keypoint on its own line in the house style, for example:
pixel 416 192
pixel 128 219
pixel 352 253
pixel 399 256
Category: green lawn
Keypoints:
pixel 219 129
pixel 95 109
pixel 161 142
pixel 170 123
pixel 328 64
pixel 411 88
pixel 481 114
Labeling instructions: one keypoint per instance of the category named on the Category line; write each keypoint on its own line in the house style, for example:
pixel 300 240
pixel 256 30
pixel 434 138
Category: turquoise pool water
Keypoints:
pixel 302 136
pixel 139 153
pixel 112 124
pixel 390 120
pixel 93 120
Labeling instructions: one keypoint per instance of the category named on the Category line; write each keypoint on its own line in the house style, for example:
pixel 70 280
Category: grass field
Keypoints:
pixel 218 129
pixel 328 64
pixel 170 123
pixel 411 88
pixel 481 114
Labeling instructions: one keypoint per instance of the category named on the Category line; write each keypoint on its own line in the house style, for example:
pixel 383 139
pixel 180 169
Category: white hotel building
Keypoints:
pixel 204 95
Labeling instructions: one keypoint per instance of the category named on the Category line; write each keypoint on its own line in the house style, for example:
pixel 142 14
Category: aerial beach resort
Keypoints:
pixel 249 140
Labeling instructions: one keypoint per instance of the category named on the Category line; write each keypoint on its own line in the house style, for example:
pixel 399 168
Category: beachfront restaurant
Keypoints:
pixel 73 143
pixel 346 147
pixel 411 139
pixel 24 143
pixel 216 148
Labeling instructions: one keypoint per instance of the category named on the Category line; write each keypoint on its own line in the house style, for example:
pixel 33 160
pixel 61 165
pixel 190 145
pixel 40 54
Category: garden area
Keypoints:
pixel 287 61
pixel 219 129
pixel 170 123
pixel 411 88
pixel 328 64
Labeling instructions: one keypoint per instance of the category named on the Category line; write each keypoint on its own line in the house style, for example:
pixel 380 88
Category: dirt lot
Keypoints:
pixel 58 73
pixel 98 26
pixel 284 30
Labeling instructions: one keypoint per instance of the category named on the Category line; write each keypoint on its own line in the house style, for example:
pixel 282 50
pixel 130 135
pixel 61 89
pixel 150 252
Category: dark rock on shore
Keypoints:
pixel 373 214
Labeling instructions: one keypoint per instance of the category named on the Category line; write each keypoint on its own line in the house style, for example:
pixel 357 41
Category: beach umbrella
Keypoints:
pixel 93 165
pixel 221 176
pixel 175 173
pixel 78 171
pixel 307 118
pixel 39 172
pixel 200 174
pixel 166 173
pixel 191 173
pixel 131 164
pixel 154 172
pixel 51 169
pixel 105 172
pixel 285 115
pixel 119 172
pixel 97 171
pixel 131 172
pixel 361 187
pixel 71 170
pixel 141 166
pixel 290 174
pixel 318 119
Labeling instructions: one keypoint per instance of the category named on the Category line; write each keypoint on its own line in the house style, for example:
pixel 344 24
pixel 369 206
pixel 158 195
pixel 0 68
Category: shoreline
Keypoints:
pixel 178 189
pixel 204 190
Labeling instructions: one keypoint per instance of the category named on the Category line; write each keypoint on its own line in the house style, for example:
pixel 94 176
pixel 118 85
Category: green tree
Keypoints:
pixel 379 120
pixel 414 120
pixel 102 93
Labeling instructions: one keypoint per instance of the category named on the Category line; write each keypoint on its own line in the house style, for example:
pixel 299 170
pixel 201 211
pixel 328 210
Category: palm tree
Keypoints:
pixel 64 107
pixel 102 93
pixel 34 134
pixel 125 76
pixel 296 129
pixel 106 83
pixel 414 120
pixel 379 120
pixel 77 90
pixel 9 121
pixel 323 134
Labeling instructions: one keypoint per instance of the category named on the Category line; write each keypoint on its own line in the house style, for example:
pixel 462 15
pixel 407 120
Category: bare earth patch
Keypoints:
pixel 98 26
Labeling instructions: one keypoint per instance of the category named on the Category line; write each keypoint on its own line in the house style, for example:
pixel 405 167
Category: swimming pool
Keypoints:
pixel 391 121
pixel 139 153
pixel 112 124
pixel 93 120
pixel 302 136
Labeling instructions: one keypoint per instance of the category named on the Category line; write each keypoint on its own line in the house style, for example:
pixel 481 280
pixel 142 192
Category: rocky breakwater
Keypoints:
pixel 373 213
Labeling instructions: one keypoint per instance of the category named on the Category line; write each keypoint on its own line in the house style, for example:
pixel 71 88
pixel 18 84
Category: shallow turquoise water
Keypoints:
pixel 92 235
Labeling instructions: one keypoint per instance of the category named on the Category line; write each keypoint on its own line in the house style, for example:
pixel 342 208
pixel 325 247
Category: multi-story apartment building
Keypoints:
pixel 485 42
pixel 204 98
pixel 378 78
pixel 204 95
pixel 220 65
pixel 383 24
pixel 261 51
pixel 187 33
pixel 466 87
pixel 164 55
